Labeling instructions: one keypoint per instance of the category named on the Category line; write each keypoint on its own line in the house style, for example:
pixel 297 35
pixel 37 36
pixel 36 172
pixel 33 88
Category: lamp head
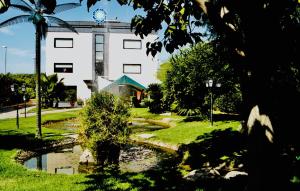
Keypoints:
pixel 210 83
pixel 12 87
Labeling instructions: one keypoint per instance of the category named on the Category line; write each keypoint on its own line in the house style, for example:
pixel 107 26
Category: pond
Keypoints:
pixel 133 158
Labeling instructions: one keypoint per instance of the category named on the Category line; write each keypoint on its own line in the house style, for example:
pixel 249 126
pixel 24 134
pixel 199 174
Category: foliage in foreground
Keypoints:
pixel 104 125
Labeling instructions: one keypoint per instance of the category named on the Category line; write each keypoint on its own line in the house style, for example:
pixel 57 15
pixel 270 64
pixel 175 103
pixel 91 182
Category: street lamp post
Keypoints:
pixel 14 90
pixel 5 59
pixel 24 97
pixel 210 84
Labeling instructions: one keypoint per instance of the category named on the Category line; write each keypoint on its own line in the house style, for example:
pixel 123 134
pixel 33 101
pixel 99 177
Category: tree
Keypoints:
pixel 197 64
pixel 52 89
pixel 260 38
pixel 37 16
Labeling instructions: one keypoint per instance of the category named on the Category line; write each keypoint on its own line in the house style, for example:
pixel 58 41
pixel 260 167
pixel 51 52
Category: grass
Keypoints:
pixel 187 132
pixel 14 176
pixel 144 113
pixel 183 132
pixel 33 110
pixel 27 126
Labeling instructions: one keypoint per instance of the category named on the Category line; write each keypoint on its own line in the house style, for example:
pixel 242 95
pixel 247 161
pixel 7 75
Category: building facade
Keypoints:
pixel 98 55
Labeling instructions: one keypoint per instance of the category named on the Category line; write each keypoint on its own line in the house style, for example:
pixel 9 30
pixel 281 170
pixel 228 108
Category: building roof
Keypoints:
pixel 125 80
pixel 111 26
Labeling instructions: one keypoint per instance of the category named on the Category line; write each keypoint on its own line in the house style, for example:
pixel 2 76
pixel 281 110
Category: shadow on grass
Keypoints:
pixel 14 140
pixel 219 151
pixel 11 139
pixel 214 148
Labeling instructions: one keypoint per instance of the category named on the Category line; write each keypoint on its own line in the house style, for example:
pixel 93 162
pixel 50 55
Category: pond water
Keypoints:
pixel 133 158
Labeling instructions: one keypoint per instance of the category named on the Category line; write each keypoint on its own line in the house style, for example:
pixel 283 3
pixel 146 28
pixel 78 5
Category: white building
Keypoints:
pixel 98 55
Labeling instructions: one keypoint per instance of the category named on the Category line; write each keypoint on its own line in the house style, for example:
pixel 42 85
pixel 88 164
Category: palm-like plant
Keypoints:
pixel 36 15
pixel 52 89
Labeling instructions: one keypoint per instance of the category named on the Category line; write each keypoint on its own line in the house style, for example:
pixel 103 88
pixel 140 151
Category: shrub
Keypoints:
pixel 104 126
pixel 230 102
pixel 79 101
pixel 155 102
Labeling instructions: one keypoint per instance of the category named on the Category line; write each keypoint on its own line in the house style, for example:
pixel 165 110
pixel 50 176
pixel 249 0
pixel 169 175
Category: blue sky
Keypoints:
pixel 20 38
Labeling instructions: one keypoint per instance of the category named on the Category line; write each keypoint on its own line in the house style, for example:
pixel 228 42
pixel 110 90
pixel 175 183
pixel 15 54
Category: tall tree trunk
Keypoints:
pixel 38 81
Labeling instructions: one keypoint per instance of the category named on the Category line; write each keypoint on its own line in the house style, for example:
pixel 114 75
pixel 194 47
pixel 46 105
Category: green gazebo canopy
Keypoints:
pixel 125 80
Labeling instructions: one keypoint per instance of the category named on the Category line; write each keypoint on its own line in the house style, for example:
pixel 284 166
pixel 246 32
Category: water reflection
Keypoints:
pixel 37 163
pixel 133 158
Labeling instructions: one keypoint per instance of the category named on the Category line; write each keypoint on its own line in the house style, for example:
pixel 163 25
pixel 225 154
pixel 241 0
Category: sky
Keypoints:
pixel 20 39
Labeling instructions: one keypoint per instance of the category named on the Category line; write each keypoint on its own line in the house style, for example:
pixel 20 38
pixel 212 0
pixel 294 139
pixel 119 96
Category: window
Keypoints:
pixel 132 69
pixel 132 44
pixel 99 54
pixel 63 67
pixel 63 43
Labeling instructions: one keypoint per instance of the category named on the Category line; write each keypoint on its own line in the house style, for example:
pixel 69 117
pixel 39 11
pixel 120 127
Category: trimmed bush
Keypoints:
pixel 155 102
pixel 104 126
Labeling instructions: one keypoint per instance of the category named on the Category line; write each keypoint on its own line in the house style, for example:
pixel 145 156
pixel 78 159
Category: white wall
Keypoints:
pixel 81 55
pixel 119 56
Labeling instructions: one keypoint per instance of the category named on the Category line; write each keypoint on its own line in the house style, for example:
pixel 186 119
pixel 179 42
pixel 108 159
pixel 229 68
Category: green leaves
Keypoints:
pixel 155 103
pixel 184 86
pixel 104 120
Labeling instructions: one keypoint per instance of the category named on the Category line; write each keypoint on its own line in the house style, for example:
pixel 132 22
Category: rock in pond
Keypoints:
pixel 86 157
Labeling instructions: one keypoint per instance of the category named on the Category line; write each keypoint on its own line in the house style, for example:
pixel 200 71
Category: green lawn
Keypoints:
pixel 14 176
pixel 187 132
pixel 182 132
pixel 144 113
pixel 27 126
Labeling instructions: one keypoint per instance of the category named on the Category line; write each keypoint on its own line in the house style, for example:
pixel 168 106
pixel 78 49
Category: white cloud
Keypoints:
pixel 20 52
pixel 7 31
